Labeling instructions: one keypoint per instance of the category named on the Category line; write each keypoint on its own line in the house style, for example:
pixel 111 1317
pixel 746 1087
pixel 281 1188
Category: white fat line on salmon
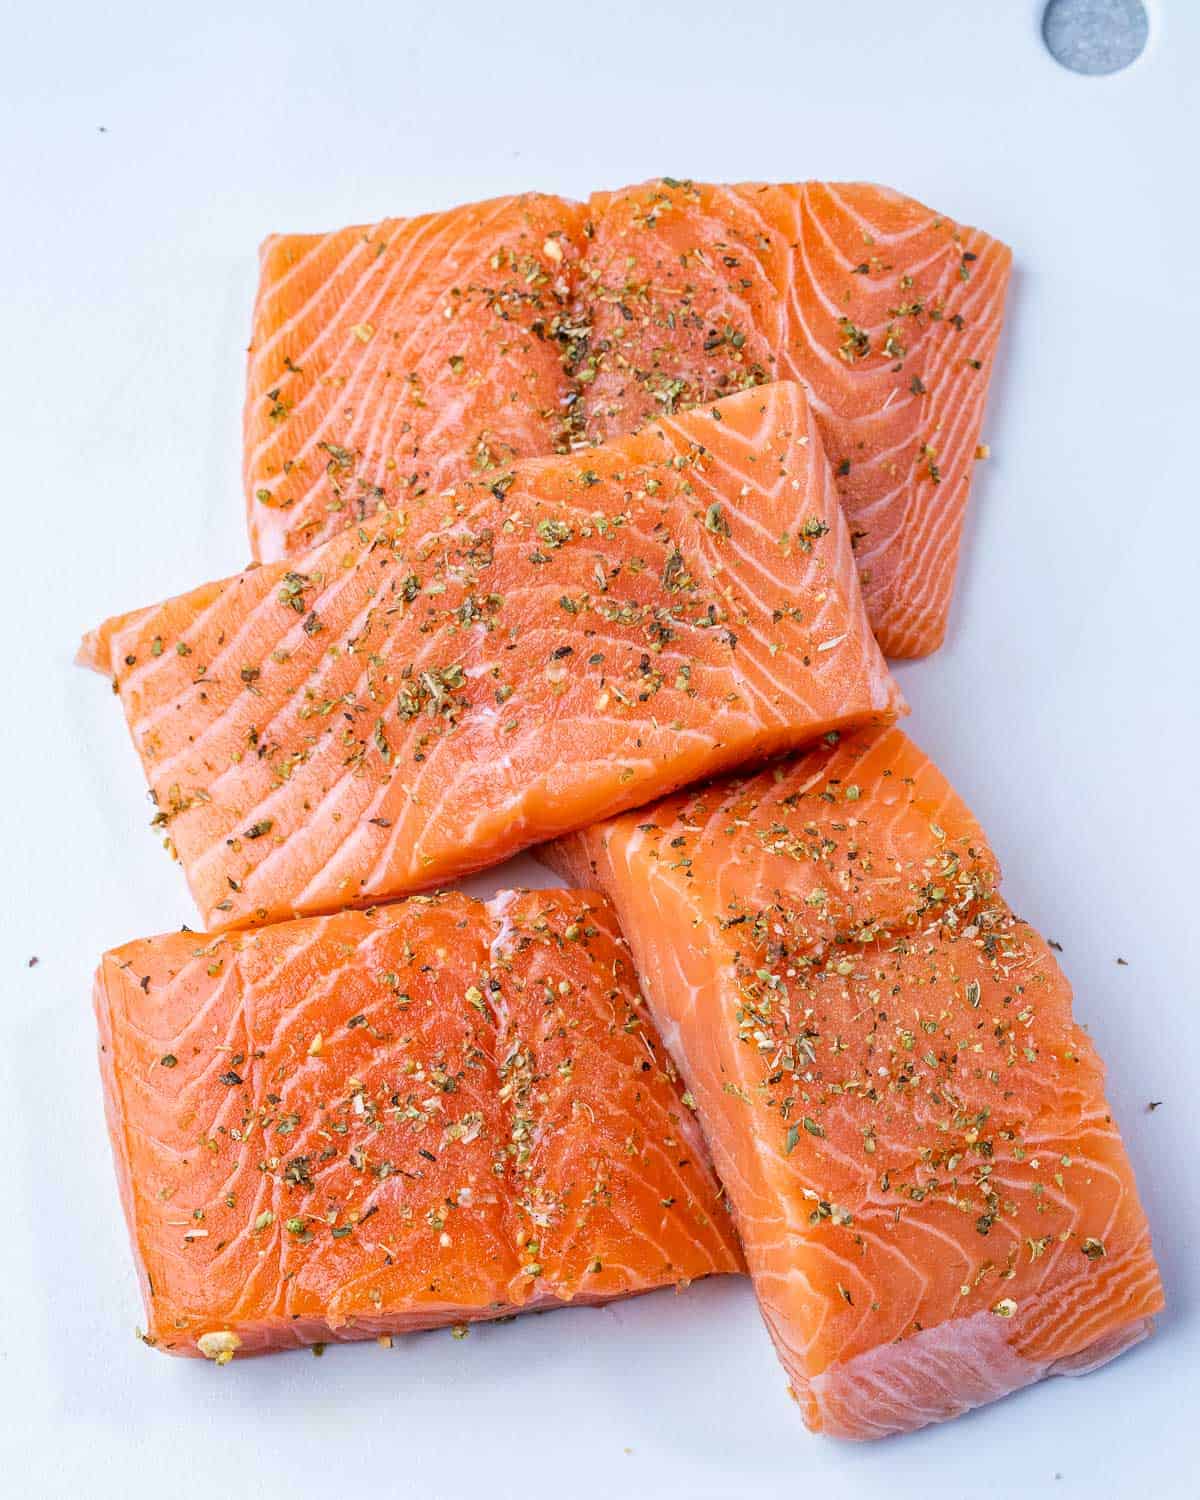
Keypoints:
pixel 499 909
pixel 362 388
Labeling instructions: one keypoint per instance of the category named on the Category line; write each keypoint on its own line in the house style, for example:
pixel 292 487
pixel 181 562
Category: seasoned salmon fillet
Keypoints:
pixel 377 1122
pixel 933 1196
pixel 391 359
pixel 449 682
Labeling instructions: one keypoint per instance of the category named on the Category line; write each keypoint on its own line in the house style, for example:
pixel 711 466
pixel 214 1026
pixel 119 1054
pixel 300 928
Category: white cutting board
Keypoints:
pixel 1064 705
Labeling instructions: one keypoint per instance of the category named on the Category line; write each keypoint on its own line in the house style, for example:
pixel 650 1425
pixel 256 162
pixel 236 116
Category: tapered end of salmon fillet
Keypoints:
pixel 121 644
pixel 93 652
pixel 96 648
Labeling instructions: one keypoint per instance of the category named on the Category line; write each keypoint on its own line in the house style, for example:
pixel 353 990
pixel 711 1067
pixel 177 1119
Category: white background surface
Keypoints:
pixel 1064 705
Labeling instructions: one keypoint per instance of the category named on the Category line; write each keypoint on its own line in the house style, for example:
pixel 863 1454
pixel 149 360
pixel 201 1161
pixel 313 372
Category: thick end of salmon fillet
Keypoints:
pixel 373 1123
pixel 934 1199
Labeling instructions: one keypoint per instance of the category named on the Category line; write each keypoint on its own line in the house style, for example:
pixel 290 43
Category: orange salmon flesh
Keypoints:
pixel 395 359
pixel 445 684
pixel 933 1197
pixel 372 1123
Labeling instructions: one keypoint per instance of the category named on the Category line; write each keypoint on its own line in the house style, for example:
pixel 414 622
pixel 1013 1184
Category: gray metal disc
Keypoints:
pixel 1095 36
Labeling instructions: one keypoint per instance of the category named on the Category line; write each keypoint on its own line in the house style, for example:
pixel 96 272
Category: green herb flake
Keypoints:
pixel 715 521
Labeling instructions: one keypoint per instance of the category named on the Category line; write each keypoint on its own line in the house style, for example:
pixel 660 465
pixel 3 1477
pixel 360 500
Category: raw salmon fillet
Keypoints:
pixel 436 688
pixel 934 1200
pixel 377 1122
pixel 399 357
